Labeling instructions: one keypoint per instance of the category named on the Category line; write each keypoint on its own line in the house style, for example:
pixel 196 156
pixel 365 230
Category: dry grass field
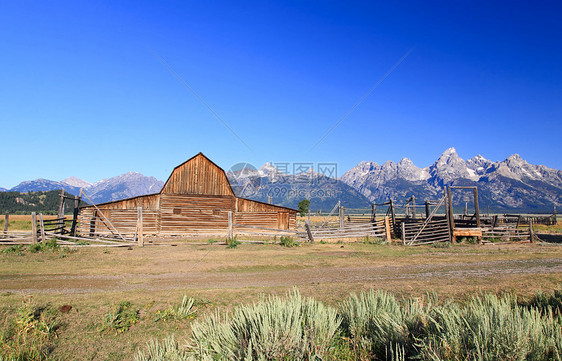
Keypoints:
pixel 95 280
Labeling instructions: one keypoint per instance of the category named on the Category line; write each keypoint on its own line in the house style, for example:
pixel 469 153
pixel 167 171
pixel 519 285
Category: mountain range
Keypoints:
pixel 127 185
pixel 509 185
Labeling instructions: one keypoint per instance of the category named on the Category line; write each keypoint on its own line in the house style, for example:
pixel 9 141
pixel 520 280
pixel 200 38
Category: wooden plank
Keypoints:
pixel 139 228
pixel 42 228
pixel 34 226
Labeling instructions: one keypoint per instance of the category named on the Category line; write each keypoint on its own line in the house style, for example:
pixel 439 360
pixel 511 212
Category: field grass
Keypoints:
pixel 96 282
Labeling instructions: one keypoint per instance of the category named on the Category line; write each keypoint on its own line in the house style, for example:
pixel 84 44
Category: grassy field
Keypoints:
pixel 147 281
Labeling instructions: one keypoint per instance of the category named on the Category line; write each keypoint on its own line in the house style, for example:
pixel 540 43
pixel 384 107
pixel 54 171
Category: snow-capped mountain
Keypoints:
pixel 512 183
pixel 288 190
pixel 76 182
pixel 127 185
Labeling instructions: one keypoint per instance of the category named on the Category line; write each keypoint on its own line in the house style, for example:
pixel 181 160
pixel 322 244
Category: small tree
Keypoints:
pixel 303 207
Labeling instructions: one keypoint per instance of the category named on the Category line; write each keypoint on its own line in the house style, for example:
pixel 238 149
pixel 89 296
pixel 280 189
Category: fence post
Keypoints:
pixel 387 228
pixel 427 211
pixel 230 235
pixel 74 218
pixel 34 226
pixel 6 222
pixel 42 227
pixel 404 233
pixel 531 232
pixel 140 239
pixel 413 207
pixel 341 217
pixel 308 231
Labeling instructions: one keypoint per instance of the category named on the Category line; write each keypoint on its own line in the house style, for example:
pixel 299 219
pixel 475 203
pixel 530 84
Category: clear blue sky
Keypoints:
pixel 83 94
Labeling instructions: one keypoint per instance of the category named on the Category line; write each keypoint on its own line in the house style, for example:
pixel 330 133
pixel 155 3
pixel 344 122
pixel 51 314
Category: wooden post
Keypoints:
pixel 393 215
pixel 466 208
pixel 140 239
pixel 404 233
pixel 341 217
pixel 34 226
pixel 230 230
pixel 476 208
pixel 6 222
pixel 42 227
pixel 60 213
pixel 387 228
pixel 308 231
pixel 413 207
pixel 427 210
pixel 531 232
pixel 448 214
pixel 451 212
pixel 74 216
pixel 373 212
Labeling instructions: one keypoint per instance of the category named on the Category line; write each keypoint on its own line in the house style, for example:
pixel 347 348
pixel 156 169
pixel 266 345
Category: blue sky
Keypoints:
pixel 84 93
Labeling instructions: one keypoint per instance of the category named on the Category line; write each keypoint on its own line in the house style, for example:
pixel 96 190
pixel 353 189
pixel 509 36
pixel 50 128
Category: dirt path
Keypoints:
pixel 217 279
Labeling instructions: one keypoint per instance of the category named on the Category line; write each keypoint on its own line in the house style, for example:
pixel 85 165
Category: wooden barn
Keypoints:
pixel 197 199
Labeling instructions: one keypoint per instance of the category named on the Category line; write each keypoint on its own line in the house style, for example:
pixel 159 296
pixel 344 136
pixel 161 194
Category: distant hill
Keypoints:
pixel 46 202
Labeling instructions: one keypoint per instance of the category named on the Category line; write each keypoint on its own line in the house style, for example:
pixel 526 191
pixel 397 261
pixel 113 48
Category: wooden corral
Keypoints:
pixel 195 200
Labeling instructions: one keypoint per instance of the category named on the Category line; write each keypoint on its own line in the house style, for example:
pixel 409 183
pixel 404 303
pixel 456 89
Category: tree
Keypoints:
pixel 303 207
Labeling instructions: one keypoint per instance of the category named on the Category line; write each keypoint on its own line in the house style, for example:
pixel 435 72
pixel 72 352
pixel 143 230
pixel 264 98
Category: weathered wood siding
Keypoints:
pixel 148 202
pixel 258 214
pixel 124 220
pixel 198 176
pixel 187 214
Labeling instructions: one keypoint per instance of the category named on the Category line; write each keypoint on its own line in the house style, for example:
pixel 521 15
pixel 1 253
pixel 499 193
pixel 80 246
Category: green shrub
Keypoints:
pixel 121 318
pixel 30 335
pixel 547 302
pixel 167 350
pixel 377 324
pixel 491 328
pixel 212 241
pixel 287 241
pixel 181 312
pixel 293 328
pixel 232 242
pixel 16 249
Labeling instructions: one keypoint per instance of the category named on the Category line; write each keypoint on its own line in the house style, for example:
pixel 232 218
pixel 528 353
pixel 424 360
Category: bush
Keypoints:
pixel 378 325
pixel 232 242
pixel 181 312
pixel 491 328
pixel 121 318
pixel 374 326
pixel 30 335
pixel 287 241
pixel 16 249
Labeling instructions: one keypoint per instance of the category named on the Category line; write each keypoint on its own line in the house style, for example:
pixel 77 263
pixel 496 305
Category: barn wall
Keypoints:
pixel 124 220
pixel 198 176
pixel 149 202
pixel 186 214
pixel 258 214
